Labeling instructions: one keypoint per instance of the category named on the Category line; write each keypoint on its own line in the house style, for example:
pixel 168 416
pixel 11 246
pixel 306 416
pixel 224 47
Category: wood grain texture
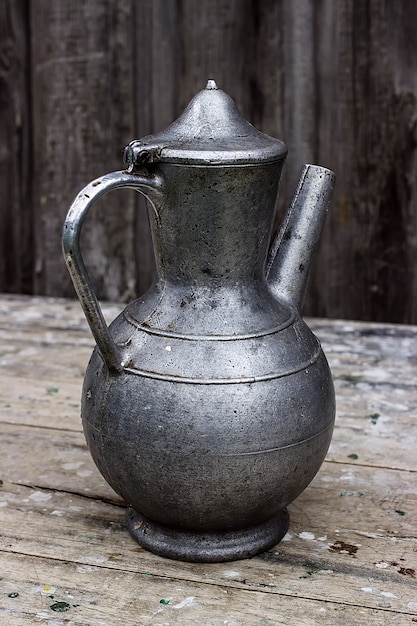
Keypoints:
pixel 335 80
pixel 109 600
pixel 366 122
pixel 156 102
pixel 349 556
pixel 82 80
pixel 15 149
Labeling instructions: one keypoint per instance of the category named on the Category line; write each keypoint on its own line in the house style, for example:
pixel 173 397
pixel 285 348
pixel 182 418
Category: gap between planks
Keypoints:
pixel 104 597
pixel 338 574
pixel 210 583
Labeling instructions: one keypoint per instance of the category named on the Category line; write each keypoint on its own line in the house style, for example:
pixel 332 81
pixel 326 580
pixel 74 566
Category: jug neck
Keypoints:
pixel 212 226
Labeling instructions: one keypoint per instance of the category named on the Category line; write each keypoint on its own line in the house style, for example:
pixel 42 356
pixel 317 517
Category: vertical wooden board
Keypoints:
pixel 366 112
pixel 265 78
pixel 179 45
pixel 333 75
pixel 15 217
pixel 211 47
pixel 238 44
pixel 299 94
pixel 335 80
pixel 156 103
pixel 264 66
pixel 82 76
pixel 401 42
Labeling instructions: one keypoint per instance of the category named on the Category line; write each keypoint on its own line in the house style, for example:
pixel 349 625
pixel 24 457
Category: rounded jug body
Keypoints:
pixel 208 404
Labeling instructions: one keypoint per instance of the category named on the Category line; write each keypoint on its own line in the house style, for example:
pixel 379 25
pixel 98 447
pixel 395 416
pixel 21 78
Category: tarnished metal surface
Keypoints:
pixel 210 131
pixel 208 404
pixel 294 248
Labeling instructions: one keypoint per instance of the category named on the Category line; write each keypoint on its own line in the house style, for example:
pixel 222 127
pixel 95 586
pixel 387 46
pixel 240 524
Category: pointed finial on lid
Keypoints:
pixel 211 84
pixel 210 131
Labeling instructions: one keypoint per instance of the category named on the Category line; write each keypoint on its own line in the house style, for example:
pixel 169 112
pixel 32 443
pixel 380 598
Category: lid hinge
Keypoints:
pixel 137 154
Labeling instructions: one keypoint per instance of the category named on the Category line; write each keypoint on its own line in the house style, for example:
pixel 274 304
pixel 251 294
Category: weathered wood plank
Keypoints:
pixel 44 403
pixel 366 103
pixel 336 81
pixel 43 366
pixel 62 462
pixel 140 598
pixel 52 459
pixel 318 559
pixel 362 339
pixel 362 435
pixel 310 63
pixel 82 79
pixel 350 554
pixel 36 312
pixel 15 142
pixel 155 57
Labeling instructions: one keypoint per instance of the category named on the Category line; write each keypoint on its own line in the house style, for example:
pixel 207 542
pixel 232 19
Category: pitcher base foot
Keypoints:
pixel 206 547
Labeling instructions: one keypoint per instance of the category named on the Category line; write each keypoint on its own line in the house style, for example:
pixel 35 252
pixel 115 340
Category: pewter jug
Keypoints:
pixel 208 404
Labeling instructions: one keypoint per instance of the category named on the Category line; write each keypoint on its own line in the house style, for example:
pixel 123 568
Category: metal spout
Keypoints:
pixel 294 248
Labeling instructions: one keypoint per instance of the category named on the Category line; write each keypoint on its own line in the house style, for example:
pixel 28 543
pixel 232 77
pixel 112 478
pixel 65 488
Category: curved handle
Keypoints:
pixel 112 355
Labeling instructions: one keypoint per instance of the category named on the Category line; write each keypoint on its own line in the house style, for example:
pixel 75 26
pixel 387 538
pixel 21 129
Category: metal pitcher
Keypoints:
pixel 208 404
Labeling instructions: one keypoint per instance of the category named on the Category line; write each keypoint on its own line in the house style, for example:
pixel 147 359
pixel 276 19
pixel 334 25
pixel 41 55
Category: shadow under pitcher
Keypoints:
pixel 208 403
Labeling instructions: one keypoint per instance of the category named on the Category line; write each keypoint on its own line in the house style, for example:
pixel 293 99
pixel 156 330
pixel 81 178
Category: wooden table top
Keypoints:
pixel 350 556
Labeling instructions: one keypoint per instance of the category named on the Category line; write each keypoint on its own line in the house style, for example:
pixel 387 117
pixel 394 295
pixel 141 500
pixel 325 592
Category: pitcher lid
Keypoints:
pixel 210 131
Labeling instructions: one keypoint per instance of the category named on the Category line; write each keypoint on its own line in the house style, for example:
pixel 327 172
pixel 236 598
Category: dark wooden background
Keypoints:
pixel 335 79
